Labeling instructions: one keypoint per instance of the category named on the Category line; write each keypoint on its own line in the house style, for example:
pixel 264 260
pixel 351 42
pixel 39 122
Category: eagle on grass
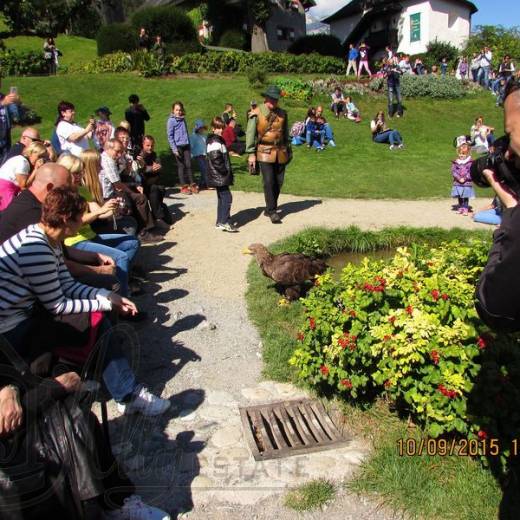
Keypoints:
pixel 289 271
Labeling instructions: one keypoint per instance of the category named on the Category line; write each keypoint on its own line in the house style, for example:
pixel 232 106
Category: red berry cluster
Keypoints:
pixel 347 340
pixel 435 357
pixel 481 343
pixel 352 314
pixel 324 369
pixel 448 393
pixel 482 434
pixel 435 294
pixel 312 323
pixel 300 336
pixel 379 287
pixel 444 296
pixel 388 337
pixel 346 383
pixel 392 319
pixel 409 310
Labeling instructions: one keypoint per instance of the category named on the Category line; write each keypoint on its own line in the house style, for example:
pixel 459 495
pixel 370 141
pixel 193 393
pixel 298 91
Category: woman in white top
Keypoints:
pixel 15 172
pixel 72 137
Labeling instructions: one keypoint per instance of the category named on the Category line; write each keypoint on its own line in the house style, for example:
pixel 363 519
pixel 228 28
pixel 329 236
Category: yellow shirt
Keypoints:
pixel 85 232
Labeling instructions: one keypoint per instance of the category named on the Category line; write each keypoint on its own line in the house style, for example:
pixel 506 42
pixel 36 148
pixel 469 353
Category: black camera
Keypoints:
pixel 505 171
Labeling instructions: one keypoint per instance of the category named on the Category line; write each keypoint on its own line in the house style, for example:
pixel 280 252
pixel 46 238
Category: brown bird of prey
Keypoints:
pixel 290 271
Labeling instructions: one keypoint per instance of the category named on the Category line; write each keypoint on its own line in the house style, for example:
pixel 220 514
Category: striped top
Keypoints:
pixel 32 270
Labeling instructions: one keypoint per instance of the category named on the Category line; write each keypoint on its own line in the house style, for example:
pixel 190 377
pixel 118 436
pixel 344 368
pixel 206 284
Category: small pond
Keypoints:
pixel 338 262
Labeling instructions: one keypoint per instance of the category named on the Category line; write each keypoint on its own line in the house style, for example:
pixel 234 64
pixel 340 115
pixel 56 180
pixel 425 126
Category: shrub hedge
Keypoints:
pixel 233 39
pixel 116 37
pixel 436 87
pixel 229 61
pixel 172 23
pixel 14 63
pixel 406 328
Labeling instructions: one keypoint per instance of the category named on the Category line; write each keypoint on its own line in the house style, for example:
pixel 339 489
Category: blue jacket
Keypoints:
pixel 198 144
pixel 353 54
pixel 177 131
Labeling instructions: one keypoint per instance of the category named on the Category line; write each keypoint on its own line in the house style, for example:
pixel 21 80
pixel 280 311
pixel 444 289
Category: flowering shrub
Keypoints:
pixel 294 88
pixel 406 329
pixel 427 86
pixel 15 63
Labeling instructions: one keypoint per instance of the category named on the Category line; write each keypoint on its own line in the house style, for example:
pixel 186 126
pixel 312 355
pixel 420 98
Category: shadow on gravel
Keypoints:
pixel 246 216
pixel 297 206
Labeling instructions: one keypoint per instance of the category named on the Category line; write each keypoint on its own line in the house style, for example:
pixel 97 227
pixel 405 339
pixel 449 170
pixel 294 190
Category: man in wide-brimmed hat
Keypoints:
pixel 267 141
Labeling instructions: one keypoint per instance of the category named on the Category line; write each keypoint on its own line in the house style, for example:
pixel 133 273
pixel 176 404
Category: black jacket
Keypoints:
pixel 219 165
pixel 498 291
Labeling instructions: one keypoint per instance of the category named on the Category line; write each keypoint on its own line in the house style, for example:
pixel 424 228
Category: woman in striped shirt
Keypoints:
pixel 36 286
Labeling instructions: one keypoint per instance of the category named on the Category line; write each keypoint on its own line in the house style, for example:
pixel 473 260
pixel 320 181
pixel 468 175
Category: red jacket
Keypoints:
pixel 229 136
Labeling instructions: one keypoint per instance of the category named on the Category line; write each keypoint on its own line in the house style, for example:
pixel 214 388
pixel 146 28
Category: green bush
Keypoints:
pixel 233 39
pixel 435 87
pixel 172 23
pixel 406 328
pixel 14 63
pixel 257 77
pixel 180 48
pixel 116 37
pixel 324 44
pixel 294 88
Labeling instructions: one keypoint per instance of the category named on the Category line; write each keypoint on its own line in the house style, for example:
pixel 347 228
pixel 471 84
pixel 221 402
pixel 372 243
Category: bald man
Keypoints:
pixel 28 136
pixel 25 209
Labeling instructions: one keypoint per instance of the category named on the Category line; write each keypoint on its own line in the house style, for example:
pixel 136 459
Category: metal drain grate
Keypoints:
pixel 287 428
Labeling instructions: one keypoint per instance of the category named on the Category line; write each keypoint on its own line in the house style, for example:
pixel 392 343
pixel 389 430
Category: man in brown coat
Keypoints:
pixel 267 141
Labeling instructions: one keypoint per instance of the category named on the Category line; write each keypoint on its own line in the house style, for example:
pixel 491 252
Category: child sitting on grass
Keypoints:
pixel 315 133
pixel 462 184
pixel 352 111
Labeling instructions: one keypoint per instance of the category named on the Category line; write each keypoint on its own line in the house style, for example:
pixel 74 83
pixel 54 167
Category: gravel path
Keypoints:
pixel 200 350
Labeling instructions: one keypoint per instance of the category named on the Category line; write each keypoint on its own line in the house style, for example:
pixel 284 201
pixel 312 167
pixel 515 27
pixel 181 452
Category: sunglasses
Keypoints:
pixel 33 139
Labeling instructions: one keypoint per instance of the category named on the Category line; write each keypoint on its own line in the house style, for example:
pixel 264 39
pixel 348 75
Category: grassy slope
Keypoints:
pixel 75 49
pixel 356 168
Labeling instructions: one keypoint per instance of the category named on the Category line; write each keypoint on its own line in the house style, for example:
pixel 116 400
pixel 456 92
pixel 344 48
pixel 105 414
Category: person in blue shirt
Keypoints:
pixel 198 150
pixel 353 55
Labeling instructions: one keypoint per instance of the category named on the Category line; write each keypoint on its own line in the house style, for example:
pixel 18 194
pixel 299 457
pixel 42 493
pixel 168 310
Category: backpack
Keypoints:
pixel 297 129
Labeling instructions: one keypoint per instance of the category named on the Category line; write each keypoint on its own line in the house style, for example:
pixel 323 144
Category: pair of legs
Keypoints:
pixel 121 248
pixel 155 194
pixel 363 65
pixel 183 161
pixel 389 136
pixel 42 333
pixel 316 139
pixel 488 216
pixel 395 101
pixel 224 201
pixel 141 210
pixel 483 76
pixel 338 108
pixel 202 161
pixel 273 176
pixel 352 64
pixel 463 205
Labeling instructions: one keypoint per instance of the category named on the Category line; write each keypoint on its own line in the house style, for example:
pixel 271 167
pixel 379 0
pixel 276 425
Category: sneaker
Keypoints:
pixel 275 218
pixel 393 147
pixel 465 212
pixel 401 146
pixel 332 143
pixel 135 509
pixel 145 403
pixel 230 228
pixel 194 188
pixel 186 190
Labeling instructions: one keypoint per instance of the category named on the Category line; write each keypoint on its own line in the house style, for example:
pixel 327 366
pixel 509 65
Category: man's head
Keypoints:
pixel 271 96
pixel 30 135
pixel 47 177
pixel 114 149
pixel 123 136
pixel 133 99
pixel 148 144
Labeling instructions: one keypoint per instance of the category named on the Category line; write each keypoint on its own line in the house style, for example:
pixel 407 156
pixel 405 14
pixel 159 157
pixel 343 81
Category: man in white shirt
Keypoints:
pixel 485 66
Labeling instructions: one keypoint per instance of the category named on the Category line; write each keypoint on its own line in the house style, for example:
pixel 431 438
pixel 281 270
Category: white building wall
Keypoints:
pixel 450 22
pixel 413 7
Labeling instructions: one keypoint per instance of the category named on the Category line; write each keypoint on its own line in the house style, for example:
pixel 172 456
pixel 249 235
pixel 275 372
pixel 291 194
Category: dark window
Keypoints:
pixel 285 33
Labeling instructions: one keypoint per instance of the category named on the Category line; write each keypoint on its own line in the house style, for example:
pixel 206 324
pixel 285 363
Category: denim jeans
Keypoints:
pixel 117 374
pixel 394 95
pixel 121 248
pixel 327 130
pixel 488 216
pixel 202 161
pixel 483 76
pixel 389 136
pixel 225 199
pixel 317 139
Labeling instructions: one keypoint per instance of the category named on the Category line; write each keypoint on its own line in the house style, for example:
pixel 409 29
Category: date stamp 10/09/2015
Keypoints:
pixel 412 447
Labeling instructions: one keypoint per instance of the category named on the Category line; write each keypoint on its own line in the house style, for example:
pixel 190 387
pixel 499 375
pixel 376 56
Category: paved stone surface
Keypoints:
pixel 200 351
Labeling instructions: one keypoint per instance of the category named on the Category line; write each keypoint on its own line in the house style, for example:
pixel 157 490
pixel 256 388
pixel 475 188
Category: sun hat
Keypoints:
pixel 273 92
pixel 199 123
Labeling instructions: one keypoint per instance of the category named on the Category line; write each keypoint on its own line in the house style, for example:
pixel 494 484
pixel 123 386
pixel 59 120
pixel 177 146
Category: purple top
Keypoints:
pixel 460 171
pixel 177 131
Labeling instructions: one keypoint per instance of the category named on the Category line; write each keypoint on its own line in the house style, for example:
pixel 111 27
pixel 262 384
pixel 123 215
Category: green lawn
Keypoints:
pixel 75 49
pixel 356 168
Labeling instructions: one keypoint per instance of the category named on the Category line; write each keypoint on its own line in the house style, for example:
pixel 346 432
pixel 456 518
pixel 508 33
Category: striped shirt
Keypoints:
pixel 32 270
